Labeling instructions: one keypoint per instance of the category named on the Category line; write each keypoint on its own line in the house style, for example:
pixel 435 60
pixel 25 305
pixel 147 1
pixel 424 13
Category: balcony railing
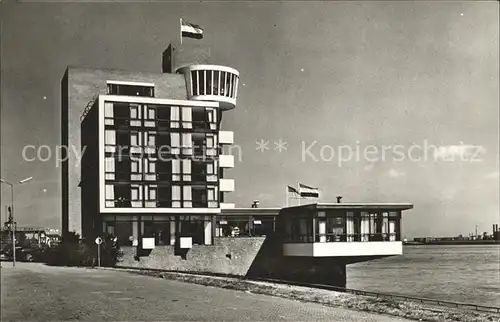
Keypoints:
pixel 332 238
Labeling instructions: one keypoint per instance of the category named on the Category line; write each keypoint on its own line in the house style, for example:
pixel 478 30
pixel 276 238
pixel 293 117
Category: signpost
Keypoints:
pixel 98 241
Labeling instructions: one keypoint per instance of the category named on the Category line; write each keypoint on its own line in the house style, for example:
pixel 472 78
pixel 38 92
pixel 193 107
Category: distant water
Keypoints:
pixel 458 273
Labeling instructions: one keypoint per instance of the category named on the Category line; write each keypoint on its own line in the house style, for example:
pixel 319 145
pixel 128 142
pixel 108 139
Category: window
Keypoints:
pixel 365 226
pixel 108 113
pixel 135 193
pixel 123 232
pixel 176 196
pixel 187 121
pixel 216 85
pixel 187 198
pixel 236 87
pixel 195 84
pixel 299 229
pixel 110 141
pixel 110 196
pixel 136 196
pixel 136 169
pixel 263 225
pixel 211 115
pixel 199 195
pixel 201 82
pixel 109 168
pixel 176 170
pixel 211 144
pixel 229 78
pixel 174 117
pixel 135 142
pixel 122 169
pixel 212 171
pixel 194 226
pixel 164 196
pixel 209 80
pixel 135 166
pixel 175 143
pixel 187 144
pixel 151 115
pixel 212 197
pixel 150 168
pixel 151 195
pixel 135 115
pixel 162 232
pixel 186 170
pixel 335 227
pixel 350 226
pixel 222 83
pixel 150 141
pixel 134 112
pixel 131 89
pixel 110 138
pixel 234 226
pixel 123 139
pixel 122 195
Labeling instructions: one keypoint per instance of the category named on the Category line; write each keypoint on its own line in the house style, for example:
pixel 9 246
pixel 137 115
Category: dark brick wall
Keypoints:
pixel 252 256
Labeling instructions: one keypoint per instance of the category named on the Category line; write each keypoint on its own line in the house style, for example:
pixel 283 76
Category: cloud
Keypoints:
pixel 393 173
pixel 493 175
pixel 460 152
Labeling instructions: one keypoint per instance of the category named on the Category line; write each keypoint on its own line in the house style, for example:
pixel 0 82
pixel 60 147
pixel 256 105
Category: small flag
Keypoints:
pixel 307 191
pixel 190 30
pixel 292 190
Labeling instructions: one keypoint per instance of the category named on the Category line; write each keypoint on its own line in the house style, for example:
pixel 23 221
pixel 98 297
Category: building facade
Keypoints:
pixel 152 150
pixel 147 163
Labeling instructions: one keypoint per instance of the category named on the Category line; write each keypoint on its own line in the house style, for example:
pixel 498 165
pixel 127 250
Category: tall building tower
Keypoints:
pixel 151 149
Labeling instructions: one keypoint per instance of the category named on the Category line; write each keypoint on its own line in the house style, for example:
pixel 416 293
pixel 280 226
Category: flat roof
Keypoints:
pixel 357 205
pixel 251 211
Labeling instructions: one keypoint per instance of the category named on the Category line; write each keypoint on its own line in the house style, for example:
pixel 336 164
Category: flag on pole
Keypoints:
pixel 292 190
pixel 307 191
pixel 191 30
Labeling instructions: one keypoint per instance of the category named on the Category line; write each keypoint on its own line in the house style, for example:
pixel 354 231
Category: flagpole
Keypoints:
pixel 180 29
pixel 298 189
pixel 286 196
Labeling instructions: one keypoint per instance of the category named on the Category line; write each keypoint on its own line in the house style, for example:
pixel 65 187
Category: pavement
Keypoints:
pixel 36 292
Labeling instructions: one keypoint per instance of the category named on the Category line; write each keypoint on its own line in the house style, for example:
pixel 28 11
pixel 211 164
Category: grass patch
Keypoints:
pixel 401 308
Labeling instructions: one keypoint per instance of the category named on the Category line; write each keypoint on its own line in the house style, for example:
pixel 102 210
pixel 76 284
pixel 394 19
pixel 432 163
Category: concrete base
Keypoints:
pixel 244 256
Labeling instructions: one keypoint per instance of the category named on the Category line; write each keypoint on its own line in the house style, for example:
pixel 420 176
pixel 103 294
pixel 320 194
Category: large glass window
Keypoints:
pixel 263 225
pixel 201 82
pixel 298 229
pixel 123 232
pixel 194 227
pixel 335 227
pixel 130 90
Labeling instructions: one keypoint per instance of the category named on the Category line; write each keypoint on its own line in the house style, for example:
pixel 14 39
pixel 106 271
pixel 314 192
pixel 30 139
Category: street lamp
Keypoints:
pixel 13 228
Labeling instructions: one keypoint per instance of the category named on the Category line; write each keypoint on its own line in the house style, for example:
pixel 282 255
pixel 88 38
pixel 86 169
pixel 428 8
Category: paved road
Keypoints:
pixel 35 292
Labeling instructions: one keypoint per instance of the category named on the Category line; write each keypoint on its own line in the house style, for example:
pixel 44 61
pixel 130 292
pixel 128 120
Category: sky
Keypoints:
pixel 321 84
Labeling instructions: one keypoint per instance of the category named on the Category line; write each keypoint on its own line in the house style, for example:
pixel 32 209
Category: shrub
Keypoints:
pixel 74 252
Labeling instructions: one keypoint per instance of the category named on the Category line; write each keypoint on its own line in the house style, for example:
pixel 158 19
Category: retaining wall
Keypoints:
pixel 243 256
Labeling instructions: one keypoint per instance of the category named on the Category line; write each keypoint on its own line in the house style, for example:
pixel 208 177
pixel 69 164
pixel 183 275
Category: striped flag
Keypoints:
pixel 292 190
pixel 307 191
pixel 190 30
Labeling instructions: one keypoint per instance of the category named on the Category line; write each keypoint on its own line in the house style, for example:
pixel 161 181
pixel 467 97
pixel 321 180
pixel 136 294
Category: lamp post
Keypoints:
pixel 13 228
